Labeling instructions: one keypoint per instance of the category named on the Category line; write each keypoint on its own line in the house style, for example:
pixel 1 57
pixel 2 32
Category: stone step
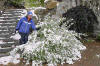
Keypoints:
pixel 7 12
pixel 4 35
pixel 8 20
pixel 7 40
pixel 5 50
pixel 9 25
pixel 4 54
pixel 10 33
pixel 14 10
pixel 12 26
pixel 7 36
pixel 3 38
pixel 4 31
pixel 7 29
pixel 14 23
pixel 9 17
pixel 8 45
pixel 5 18
pixel 11 14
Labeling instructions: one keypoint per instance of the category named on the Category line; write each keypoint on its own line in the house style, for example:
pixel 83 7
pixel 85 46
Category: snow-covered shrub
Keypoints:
pixel 52 44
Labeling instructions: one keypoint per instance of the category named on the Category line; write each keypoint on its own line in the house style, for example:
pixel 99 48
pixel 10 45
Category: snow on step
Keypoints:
pixel 3 30
pixel 10 17
pixel 4 33
pixel 8 20
pixel 1 38
pixel 10 14
pixel 4 54
pixel 11 23
pixel 14 12
pixel 10 59
pixel 9 44
pixel 5 50
pixel 1 42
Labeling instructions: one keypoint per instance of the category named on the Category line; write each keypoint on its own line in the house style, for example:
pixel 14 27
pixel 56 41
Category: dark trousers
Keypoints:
pixel 24 38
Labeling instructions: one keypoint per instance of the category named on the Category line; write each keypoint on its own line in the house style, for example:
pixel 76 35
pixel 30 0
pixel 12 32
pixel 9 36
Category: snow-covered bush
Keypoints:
pixel 52 44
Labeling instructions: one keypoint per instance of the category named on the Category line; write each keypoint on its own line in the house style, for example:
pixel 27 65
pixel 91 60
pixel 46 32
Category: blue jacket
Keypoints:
pixel 24 26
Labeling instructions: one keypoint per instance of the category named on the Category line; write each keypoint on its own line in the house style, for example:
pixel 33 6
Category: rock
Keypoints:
pixel 50 4
pixel 40 10
pixel 2 6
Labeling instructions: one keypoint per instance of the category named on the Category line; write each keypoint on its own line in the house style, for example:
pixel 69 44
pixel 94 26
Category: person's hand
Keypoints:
pixel 16 31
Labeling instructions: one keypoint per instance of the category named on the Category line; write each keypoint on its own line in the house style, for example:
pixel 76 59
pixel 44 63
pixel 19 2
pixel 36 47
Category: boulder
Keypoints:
pixel 50 4
pixel 40 10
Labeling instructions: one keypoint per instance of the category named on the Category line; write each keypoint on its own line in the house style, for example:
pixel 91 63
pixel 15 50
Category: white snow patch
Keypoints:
pixel 40 8
pixel 3 30
pixel 98 55
pixel 7 20
pixel 25 13
pixel 34 14
pixel 2 38
pixel 2 42
pixel 10 59
pixel 16 36
pixel 45 1
pixel 6 14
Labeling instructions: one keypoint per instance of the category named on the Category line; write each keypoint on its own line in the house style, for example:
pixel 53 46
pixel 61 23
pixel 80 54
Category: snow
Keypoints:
pixel 25 13
pixel 0 23
pixel 10 59
pixel 16 36
pixel 2 42
pixel 2 38
pixel 8 20
pixel 40 8
pixel 10 42
pixel 34 14
pixel 45 1
pixel 98 55
pixel 7 14
pixel 3 30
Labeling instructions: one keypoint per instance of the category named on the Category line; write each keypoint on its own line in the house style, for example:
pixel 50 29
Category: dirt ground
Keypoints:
pixel 89 56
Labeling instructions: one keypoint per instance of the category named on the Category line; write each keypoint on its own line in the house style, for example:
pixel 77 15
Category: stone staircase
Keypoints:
pixel 8 22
